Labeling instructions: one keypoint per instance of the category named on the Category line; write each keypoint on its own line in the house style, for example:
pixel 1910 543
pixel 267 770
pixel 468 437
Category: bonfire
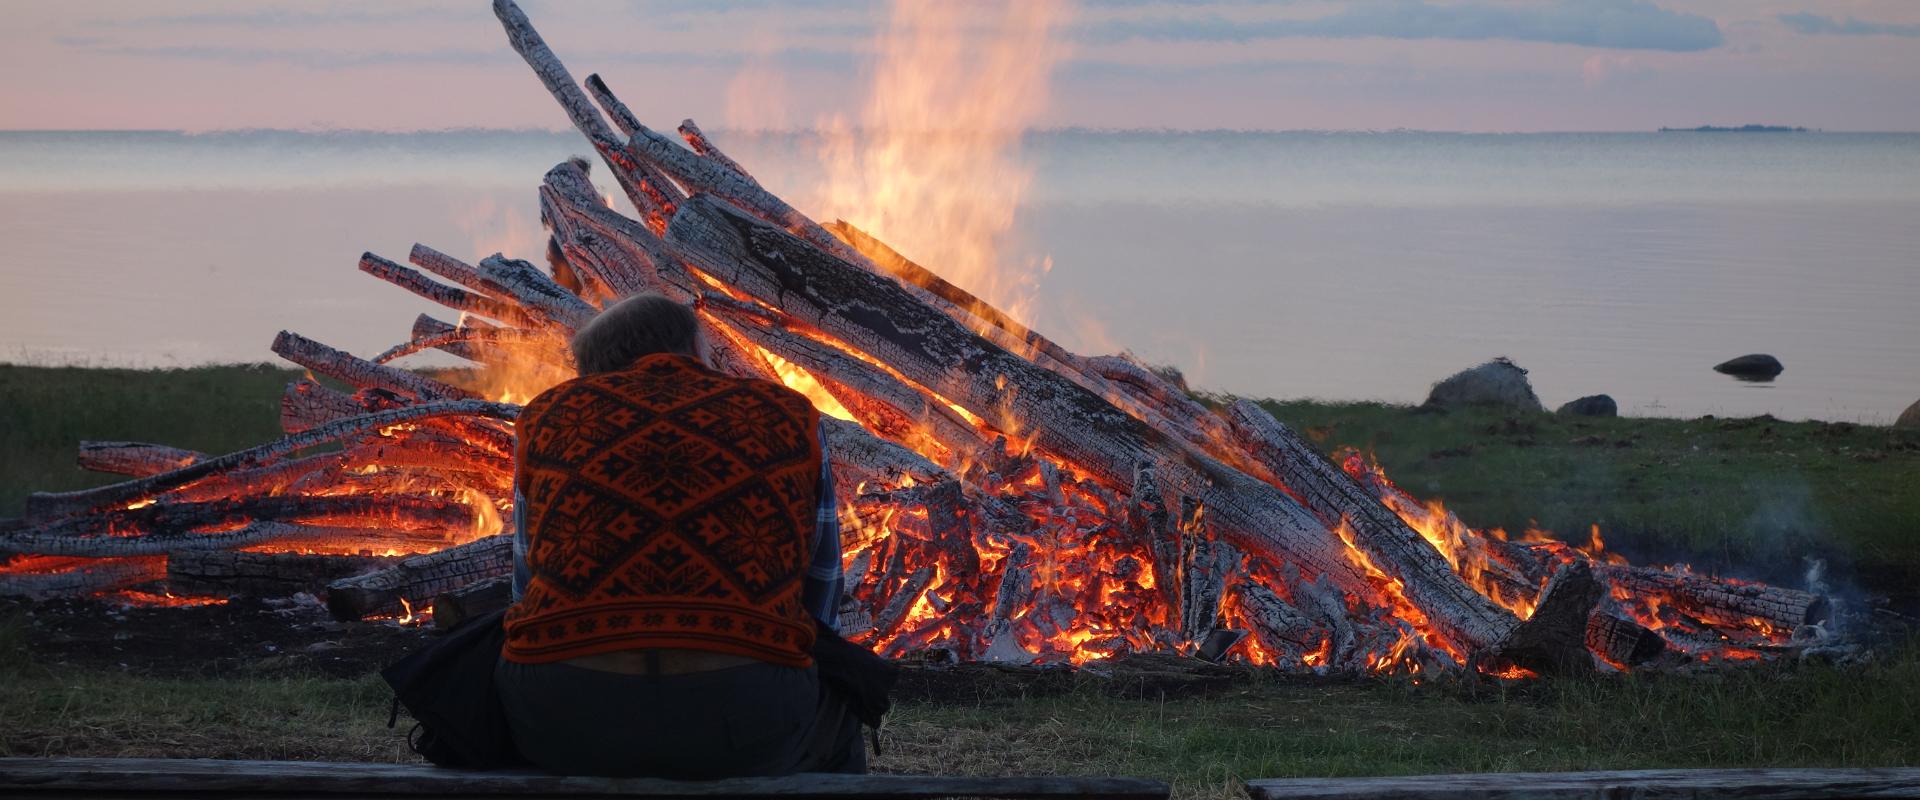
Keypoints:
pixel 1003 499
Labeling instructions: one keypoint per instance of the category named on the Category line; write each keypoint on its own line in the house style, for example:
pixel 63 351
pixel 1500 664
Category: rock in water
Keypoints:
pixel 1909 418
pixel 1596 405
pixel 1499 383
pixel 1758 366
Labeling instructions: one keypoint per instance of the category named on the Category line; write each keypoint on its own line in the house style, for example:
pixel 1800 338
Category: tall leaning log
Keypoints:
pixel 880 317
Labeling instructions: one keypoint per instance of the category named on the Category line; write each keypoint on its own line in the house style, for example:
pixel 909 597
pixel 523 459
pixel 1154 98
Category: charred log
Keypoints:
pixel 417 580
pixel 257 574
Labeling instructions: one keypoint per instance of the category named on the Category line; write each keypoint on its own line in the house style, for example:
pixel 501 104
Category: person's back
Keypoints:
pixel 671 523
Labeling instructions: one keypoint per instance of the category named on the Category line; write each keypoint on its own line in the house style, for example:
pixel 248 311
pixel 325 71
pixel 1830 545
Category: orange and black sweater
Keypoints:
pixel 669 505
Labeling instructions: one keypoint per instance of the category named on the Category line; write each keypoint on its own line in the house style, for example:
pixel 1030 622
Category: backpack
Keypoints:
pixel 448 688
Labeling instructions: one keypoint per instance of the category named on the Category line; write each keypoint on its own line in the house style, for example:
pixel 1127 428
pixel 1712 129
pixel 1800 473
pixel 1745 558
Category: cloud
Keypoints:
pixel 1613 24
pixel 800 58
pixel 1809 23
pixel 290 18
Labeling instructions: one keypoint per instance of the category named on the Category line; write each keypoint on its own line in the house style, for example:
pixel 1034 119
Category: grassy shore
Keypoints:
pixel 1748 495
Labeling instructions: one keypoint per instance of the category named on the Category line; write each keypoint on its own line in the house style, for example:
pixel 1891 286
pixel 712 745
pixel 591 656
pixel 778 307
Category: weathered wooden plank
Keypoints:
pixel 361 372
pixel 1703 784
pixel 128 777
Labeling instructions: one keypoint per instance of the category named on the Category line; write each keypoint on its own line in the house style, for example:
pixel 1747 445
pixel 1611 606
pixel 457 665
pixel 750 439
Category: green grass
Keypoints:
pixel 48 410
pixel 1780 716
pixel 1737 494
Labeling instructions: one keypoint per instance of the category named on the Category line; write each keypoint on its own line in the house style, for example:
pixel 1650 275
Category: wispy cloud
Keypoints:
pixel 1615 24
pixel 1810 23
pixel 314 58
pixel 294 18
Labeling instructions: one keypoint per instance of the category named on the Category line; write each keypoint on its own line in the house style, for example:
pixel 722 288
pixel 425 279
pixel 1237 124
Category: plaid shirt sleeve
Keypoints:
pixel 820 591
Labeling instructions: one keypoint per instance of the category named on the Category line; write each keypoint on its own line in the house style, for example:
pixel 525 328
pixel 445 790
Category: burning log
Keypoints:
pixel 170 526
pixel 1721 601
pixel 145 488
pixel 1278 627
pixel 56 577
pixel 1068 421
pixel 451 608
pixel 1622 642
pixel 416 580
pixel 258 574
pixel 1554 638
pixel 360 372
pixel 307 405
pixel 137 459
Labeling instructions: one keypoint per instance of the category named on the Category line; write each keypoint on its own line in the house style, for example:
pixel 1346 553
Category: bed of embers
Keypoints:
pixel 1003 499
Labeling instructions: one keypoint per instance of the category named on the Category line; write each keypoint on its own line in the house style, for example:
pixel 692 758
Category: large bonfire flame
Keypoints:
pixel 1003 498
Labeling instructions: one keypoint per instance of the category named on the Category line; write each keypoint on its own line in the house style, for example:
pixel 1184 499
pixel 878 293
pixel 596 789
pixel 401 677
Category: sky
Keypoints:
pixel 1466 65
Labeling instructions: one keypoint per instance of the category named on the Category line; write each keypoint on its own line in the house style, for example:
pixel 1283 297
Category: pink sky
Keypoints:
pixel 1504 65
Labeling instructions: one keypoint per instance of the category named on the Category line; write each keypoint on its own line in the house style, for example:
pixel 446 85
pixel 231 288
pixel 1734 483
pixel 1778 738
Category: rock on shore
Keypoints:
pixel 1595 405
pixel 1753 366
pixel 1498 383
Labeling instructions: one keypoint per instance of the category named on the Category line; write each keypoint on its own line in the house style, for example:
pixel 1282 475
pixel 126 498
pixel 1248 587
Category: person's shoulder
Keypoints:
pixel 555 393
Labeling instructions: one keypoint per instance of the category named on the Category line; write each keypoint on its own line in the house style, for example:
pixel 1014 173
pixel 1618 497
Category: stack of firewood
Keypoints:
pixel 1003 498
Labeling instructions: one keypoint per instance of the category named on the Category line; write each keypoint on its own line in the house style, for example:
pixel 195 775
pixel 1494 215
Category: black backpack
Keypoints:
pixel 448 688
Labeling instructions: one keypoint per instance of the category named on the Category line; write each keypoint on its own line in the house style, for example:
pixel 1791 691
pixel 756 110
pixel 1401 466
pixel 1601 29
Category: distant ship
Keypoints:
pixel 1741 129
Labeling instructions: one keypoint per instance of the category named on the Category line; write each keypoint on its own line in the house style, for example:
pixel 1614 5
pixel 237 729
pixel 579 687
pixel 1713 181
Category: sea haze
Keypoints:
pixel 1328 265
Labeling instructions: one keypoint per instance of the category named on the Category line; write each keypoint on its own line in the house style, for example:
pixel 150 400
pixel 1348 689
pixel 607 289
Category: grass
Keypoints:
pixel 1781 716
pixel 1751 496
pixel 50 409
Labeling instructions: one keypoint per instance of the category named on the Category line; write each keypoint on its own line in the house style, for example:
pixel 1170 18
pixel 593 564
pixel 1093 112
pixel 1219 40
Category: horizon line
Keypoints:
pixel 1081 129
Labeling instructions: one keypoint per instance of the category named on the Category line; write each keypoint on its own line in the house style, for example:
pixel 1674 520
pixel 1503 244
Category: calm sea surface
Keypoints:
pixel 1336 265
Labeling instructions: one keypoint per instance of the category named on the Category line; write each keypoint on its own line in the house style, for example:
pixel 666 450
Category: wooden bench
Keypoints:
pixel 1653 784
pixel 179 778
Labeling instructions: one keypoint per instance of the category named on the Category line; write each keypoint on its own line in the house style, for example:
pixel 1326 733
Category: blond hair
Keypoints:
pixel 641 325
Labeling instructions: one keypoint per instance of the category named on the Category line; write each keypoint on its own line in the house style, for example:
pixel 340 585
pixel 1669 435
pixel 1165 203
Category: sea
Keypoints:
pixel 1327 265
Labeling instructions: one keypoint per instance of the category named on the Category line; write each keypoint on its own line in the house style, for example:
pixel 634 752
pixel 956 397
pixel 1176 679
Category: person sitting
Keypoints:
pixel 675 543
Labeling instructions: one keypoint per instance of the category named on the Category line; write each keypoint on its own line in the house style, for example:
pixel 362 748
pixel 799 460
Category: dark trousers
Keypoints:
pixel 756 719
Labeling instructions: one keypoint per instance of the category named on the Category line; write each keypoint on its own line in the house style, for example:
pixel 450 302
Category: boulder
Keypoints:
pixel 1755 366
pixel 1595 405
pixel 1909 418
pixel 1498 383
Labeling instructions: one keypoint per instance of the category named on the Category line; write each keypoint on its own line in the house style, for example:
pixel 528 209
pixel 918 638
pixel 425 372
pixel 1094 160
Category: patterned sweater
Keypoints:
pixel 667 505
